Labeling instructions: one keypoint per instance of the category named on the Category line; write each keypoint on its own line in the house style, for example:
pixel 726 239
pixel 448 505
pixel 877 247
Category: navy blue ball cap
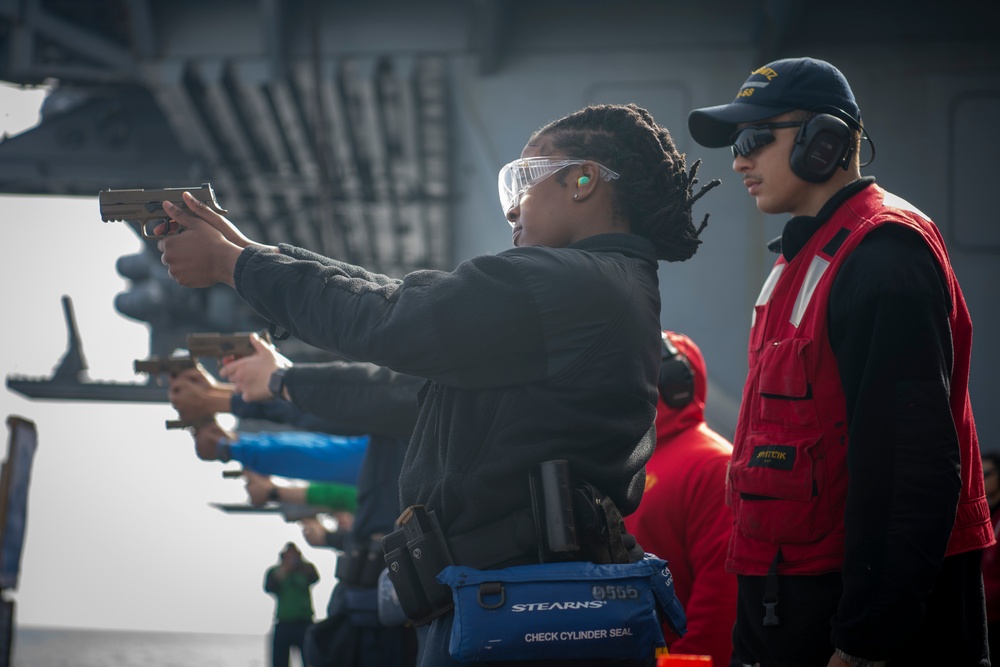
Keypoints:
pixel 775 88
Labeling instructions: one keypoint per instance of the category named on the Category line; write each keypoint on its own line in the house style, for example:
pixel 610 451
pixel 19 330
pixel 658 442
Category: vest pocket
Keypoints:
pixel 784 393
pixel 780 490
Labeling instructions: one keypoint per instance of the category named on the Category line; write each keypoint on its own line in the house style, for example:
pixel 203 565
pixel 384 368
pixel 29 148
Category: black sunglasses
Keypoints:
pixel 748 139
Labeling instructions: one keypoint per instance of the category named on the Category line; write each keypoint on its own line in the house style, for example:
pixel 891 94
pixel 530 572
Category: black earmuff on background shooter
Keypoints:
pixel 822 145
pixel 676 377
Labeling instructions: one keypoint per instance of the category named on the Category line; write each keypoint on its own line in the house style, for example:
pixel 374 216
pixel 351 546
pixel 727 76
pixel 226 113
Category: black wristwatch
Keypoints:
pixel 276 383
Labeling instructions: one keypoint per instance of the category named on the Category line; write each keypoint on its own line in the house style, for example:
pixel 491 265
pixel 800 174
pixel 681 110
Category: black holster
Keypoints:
pixel 575 520
pixel 552 511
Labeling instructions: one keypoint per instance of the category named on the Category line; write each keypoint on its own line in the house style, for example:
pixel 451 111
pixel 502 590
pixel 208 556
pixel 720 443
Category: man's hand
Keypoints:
pixel 314 531
pixel 206 251
pixel 345 520
pixel 197 396
pixel 206 440
pixel 250 374
pixel 259 487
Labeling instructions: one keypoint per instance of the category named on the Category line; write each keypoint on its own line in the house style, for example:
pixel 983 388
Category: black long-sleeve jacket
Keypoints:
pixel 533 354
pixel 358 397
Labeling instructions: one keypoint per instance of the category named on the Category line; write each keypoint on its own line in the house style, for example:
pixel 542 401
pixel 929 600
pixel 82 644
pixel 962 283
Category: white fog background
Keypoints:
pixel 119 534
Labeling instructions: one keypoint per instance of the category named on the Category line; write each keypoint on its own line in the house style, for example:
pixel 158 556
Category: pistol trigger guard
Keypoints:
pixel 146 230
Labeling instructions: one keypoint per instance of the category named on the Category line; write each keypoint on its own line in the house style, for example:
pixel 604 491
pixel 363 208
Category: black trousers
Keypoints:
pixel 953 631
pixel 284 636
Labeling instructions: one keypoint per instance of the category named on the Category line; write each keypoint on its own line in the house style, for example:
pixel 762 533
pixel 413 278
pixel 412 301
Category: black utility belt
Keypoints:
pixel 361 564
pixel 566 522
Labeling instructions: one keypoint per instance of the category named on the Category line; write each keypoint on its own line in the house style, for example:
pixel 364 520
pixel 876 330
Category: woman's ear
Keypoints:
pixel 586 182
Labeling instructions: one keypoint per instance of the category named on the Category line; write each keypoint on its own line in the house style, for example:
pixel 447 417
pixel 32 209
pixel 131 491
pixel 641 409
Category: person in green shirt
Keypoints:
pixel 289 582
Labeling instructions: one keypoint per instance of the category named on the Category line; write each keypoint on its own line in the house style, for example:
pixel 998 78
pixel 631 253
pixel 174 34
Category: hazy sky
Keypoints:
pixel 119 533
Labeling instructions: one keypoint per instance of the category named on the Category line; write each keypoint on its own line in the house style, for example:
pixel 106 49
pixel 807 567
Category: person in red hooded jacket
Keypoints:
pixel 683 517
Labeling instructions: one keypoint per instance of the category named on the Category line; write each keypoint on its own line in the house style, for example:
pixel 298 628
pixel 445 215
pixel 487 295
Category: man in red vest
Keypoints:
pixel 856 481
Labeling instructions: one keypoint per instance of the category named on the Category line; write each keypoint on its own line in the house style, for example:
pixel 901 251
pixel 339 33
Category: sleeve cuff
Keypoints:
pixel 241 263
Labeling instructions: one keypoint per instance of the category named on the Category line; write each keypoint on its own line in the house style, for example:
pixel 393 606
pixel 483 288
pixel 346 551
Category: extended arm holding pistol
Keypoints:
pixel 200 345
pixel 146 206
pixel 159 366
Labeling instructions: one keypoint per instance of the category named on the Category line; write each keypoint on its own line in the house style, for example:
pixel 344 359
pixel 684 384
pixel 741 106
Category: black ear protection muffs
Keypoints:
pixel 822 144
pixel 676 377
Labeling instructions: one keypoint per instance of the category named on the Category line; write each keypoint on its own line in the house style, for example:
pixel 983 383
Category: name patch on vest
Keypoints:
pixel 780 457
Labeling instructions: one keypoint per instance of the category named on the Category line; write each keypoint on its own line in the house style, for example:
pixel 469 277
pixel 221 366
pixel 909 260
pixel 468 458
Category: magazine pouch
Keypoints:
pixel 414 554
pixel 562 611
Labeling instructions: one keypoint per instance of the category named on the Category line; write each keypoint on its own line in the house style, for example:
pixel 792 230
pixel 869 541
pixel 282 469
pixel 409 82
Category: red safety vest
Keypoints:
pixel 791 440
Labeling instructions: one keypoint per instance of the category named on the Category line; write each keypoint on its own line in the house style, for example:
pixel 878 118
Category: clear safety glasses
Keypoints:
pixel 748 139
pixel 517 176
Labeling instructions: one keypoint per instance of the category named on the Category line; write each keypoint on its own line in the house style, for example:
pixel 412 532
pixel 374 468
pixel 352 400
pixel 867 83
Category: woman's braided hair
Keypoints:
pixel 654 192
